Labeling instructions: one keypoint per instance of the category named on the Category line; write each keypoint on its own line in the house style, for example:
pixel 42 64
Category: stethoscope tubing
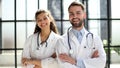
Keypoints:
pixel 86 38
pixel 69 37
pixel 38 45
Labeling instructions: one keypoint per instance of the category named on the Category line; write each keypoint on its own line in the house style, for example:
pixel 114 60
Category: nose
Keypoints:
pixel 74 16
pixel 42 21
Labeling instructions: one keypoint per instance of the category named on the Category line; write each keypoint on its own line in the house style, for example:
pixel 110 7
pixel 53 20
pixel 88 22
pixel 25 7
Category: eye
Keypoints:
pixel 45 18
pixel 71 14
pixel 79 13
pixel 39 20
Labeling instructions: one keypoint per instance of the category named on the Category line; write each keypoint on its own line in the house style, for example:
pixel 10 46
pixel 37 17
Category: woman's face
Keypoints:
pixel 43 21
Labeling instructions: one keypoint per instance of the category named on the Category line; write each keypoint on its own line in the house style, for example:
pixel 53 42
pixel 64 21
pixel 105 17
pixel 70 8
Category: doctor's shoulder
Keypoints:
pixel 62 39
pixel 96 36
pixel 59 37
pixel 55 35
pixel 65 35
pixel 30 37
pixel 28 41
pixel 97 40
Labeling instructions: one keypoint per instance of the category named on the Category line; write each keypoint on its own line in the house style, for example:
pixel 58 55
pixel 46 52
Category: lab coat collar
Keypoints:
pixel 81 32
pixel 73 38
pixel 51 36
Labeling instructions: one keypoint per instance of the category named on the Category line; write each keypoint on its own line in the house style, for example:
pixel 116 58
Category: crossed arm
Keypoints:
pixel 26 61
pixel 37 63
pixel 67 58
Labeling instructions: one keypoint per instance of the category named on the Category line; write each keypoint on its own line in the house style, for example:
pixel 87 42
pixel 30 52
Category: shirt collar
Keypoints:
pixel 80 32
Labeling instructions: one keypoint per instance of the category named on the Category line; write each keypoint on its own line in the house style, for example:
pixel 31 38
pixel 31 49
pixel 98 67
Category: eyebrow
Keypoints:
pixel 76 11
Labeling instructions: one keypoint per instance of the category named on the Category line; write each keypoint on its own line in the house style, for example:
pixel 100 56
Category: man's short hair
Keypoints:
pixel 76 3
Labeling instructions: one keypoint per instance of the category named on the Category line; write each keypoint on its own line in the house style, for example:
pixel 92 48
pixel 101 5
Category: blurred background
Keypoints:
pixel 17 23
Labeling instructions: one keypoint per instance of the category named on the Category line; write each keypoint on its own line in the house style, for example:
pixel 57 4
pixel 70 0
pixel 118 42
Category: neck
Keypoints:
pixel 44 35
pixel 45 32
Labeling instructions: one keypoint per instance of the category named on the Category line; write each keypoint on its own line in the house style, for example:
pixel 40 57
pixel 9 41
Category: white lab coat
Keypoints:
pixel 80 52
pixel 44 53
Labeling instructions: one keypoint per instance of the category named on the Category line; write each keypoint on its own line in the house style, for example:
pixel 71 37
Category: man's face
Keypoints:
pixel 76 16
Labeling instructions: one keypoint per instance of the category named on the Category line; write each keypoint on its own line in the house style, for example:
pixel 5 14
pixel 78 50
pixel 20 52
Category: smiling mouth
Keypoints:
pixel 75 20
pixel 43 25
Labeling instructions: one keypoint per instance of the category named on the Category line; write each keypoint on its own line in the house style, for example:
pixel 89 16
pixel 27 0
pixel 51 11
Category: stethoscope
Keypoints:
pixel 70 48
pixel 40 44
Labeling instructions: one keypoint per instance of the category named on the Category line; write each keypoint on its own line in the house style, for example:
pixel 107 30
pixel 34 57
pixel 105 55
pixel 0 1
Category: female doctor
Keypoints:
pixel 78 47
pixel 39 49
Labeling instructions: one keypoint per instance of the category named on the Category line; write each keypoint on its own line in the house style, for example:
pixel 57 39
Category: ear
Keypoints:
pixel 85 15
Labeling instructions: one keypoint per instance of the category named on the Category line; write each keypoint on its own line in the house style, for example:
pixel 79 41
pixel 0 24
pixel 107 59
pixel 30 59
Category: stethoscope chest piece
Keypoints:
pixel 38 48
pixel 71 51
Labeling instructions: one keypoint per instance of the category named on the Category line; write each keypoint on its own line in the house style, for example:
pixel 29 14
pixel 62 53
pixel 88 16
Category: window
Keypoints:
pixel 17 23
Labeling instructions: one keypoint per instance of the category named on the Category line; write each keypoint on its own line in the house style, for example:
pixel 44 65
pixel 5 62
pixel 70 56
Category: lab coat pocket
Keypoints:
pixel 86 52
pixel 90 51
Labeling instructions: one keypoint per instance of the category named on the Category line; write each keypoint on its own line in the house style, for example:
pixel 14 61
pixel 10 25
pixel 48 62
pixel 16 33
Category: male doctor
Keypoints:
pixel 79 48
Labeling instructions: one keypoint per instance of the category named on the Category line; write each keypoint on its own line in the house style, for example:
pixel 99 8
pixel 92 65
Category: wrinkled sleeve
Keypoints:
pixel 26 49
pixel 100 61
pixel 61 48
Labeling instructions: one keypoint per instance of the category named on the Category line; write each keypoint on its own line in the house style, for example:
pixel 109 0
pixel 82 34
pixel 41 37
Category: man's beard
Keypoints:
pixel 77 24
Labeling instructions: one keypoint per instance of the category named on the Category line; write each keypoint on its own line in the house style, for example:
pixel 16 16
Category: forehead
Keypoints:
pixel 42 15
pixel 75 8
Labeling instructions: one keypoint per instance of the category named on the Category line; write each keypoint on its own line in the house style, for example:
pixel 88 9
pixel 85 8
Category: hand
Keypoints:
pixel 95 54
pixel 37 66
pixel 26 61
pixel 53 55
pixel 66 58
pixel 35 62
